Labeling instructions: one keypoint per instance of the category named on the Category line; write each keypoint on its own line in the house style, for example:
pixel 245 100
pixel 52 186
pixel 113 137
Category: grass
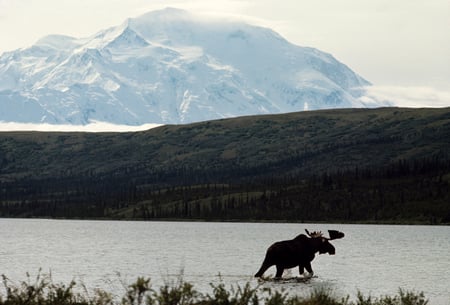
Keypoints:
pixel 42 291
pixel 372 135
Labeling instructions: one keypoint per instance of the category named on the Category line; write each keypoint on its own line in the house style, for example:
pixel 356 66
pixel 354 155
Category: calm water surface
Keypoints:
pixel 375 259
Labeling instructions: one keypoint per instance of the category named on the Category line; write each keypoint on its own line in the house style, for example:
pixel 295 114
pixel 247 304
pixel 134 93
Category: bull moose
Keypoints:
pixel 299 251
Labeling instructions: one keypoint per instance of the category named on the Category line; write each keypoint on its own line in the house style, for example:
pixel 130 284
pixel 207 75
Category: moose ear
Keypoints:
pixel 335 234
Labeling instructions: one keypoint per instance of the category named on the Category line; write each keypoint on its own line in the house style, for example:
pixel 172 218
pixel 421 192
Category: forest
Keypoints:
pixel 362 166
pixel 404 192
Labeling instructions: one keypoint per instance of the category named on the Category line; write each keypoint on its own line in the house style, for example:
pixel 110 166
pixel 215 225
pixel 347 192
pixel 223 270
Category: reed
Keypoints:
pixel 41 290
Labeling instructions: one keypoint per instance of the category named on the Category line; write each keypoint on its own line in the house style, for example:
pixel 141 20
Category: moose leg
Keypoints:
pixel 263 269
pixel 279 272
pixel 301 269
pixel 309 269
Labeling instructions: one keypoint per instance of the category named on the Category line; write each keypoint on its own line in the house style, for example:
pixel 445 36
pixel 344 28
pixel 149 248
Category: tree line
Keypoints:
pixel 406 191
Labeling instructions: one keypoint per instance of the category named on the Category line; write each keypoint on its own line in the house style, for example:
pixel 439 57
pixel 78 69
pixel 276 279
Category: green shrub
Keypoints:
pixel 403 298
pixel 42 291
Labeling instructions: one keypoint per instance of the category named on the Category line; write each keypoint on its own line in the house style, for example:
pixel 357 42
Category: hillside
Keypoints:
pixel 124 169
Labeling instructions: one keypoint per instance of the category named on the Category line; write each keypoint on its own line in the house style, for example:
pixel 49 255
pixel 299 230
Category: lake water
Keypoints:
pixel 375 259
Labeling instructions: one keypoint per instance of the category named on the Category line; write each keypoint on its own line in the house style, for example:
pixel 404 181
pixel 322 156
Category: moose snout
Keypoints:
pixel 327 248
pixel 330 249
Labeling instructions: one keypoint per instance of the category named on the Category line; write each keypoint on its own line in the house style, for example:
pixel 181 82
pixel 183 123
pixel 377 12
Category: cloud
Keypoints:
pixel 400 96
pixel 92 127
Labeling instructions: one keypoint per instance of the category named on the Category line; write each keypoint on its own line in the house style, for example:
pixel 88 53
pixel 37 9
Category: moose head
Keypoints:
pixel 321 243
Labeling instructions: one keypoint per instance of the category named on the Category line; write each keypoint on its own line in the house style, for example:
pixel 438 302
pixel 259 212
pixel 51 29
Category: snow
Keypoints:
pixel 170 66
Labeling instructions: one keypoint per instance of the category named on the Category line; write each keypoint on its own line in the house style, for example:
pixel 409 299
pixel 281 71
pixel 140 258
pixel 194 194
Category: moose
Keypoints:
pixel 299 251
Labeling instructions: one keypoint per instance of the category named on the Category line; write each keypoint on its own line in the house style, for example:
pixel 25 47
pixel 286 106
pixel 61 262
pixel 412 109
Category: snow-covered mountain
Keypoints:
pixel 170 66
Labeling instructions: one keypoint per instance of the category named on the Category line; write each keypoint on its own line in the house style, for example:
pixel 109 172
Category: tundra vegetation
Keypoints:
pixel 388 165
pixel 42 291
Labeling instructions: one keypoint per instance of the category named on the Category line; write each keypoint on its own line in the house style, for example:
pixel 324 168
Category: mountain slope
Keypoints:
pixel 305 143
pixel 387 164
pixel 170 66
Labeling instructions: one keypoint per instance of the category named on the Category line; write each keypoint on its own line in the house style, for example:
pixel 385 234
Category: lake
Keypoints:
pixel 374 259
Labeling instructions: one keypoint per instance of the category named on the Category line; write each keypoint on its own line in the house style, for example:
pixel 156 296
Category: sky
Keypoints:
pixel 402 47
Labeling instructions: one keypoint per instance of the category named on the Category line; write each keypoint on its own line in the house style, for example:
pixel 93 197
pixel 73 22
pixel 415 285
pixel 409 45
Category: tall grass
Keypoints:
pixel 42 291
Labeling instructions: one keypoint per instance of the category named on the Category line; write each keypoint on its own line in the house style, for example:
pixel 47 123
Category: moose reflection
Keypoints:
pixel 299 251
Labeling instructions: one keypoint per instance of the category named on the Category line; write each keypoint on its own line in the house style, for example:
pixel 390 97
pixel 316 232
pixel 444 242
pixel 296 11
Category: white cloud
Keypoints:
pixel 399 96
pixel 92 127
pixel 380 39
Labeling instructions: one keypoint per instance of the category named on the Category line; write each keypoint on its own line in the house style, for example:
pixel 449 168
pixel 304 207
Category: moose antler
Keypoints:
pixel 314 234
pixel 335 234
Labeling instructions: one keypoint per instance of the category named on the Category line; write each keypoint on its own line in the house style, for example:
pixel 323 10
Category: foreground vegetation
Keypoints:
pixel 43 291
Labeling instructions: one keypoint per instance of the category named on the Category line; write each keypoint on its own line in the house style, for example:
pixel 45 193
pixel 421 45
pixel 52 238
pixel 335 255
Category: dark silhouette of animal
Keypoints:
pixel 299 251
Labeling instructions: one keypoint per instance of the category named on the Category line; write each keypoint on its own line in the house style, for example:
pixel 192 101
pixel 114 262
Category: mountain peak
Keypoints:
pixel 165 14
pixel 170 66
pixel 126 38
